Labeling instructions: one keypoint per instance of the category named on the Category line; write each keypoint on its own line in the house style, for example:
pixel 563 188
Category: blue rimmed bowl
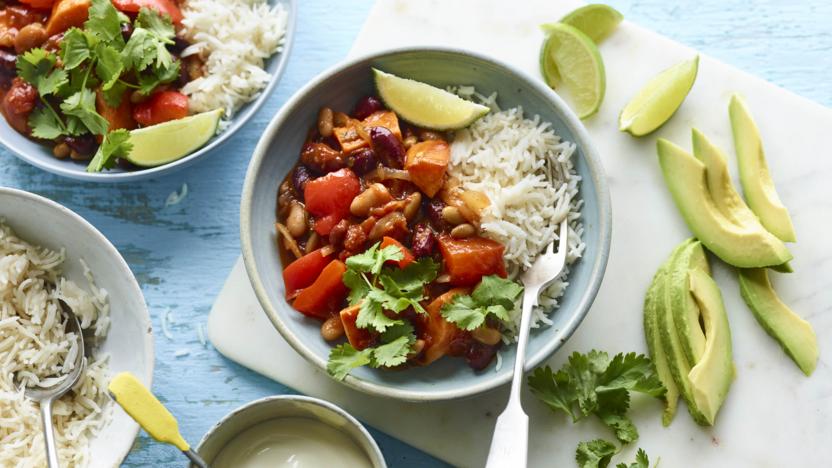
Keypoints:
pixel 40 155
pixel 339 88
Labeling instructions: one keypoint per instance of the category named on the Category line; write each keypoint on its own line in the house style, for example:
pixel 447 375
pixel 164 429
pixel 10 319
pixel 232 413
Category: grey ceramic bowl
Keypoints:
pixel 40 155
pixel 339 88
pixel 287 406
pixel 129 342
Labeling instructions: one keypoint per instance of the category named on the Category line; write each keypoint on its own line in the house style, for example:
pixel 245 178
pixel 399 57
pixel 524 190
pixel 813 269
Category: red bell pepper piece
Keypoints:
pixel 326 295
pixel 408 256
pixel 304 271
pixel 39 4
pixel 468 260
pixel 359 338
pixel 161 107
pixel 329 197
pixel 161 6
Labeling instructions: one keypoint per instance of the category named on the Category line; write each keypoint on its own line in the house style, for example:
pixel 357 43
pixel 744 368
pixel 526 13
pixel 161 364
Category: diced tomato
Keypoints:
pixel 329 197
pixel 161 6
pixel 468 260
pixel 359 338
pixel 304 271
pixel 408 255
pixel 438 332
pixel 426 162
pixel 39 4
pixel 325 296
pixel 161 107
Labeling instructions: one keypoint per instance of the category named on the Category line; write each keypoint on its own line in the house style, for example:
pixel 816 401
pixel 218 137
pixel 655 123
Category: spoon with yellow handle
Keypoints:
pixel 151 415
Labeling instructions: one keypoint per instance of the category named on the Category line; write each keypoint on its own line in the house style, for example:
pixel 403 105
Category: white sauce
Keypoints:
pixel 291 443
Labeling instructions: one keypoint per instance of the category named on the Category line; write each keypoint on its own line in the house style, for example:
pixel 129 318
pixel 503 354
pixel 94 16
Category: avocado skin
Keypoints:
pixel 741 246
pixel 794 334
pixel 654 344
pixel 712 376
pixel 754 174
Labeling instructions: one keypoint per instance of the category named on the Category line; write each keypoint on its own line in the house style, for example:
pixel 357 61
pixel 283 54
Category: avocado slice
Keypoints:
pixel 711 377
pixel 668 332
pixel 685 311
pixel 793 333
pixel 654 344
pixel 741 246
pixel 754 175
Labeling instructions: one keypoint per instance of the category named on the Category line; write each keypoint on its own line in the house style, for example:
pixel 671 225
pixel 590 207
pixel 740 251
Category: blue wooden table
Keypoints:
pixel 181 254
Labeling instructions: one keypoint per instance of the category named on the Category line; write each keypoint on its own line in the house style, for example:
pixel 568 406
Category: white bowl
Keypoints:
pixel 129 342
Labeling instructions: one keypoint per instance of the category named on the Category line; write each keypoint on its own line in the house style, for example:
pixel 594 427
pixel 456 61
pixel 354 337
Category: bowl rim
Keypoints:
pixel 216 142
pixel 598 268
pixel 121 264
pixel 306 400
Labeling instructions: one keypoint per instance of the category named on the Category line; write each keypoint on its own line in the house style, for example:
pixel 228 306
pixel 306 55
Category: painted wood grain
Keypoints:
pixel 181 254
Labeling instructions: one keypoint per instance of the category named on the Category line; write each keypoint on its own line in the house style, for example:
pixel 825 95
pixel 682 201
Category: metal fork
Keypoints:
pixel 509 445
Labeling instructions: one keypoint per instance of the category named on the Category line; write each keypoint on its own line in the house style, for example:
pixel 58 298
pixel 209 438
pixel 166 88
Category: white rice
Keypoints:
pixel 36 350
pixel 526 170
pixel 234 37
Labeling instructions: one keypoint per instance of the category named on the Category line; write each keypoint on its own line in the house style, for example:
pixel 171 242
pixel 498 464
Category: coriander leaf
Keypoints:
pixel 74 126
pixel 498 311
pixel 594 453
pixel 388 301
pixel 625 430
pixel 555 390
pixel 398 331
pixel 414 276
pixel 45 124
pixel 75 48
pixel 51 83
pixel 371 314
pixel 582 371
pixel 82 105
pixel 495 290
pixel 344 358
pixel 140 50
pixel 641 461
pixel 371 260
pixel 158 24
pixel 116 144
pixel 154 76
pixel 36 67
pixel 464 311
pixel 114 95
pixel 104 22
pixel 357 284
pixel 393 353
pixel 631 372
pixel 108 66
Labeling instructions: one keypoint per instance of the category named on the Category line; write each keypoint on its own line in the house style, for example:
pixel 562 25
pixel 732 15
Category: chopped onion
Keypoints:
pixel 288 241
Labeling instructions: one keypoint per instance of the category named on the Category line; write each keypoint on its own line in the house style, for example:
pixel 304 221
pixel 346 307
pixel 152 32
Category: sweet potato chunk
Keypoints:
pixel 66 14
pixel 117 117
pixel 438 332
pixel 386 119
pixel 468 260
pixel 359 338
pixel 427 162
pixel 350 138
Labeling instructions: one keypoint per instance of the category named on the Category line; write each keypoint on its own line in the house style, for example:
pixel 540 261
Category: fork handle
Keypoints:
pixel 49 433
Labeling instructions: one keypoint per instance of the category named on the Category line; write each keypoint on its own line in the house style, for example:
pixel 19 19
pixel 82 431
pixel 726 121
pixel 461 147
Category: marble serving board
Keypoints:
pixel 773 417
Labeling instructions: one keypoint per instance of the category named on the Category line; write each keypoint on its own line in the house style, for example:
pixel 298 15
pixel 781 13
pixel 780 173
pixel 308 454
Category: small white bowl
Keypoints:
pixel 287 406
pixel 129 342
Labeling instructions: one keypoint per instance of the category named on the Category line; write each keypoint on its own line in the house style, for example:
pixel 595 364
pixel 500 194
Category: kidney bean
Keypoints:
pixel 84 145
pixel 300 177
pixel 424 241
pixel 434 210
pixel 127 31
pixel 338 232
pixel 479 355
pixel 8 70
pixel 366 106
pixel 363 161
pixel 321 158
pixel 388 147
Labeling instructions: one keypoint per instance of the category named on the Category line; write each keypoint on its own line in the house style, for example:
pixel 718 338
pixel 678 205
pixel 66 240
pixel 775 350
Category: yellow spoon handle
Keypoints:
pixel 142 406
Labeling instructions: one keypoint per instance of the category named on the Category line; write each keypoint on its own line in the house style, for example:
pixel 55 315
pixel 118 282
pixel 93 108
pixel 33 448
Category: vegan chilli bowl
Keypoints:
pixel 407 217
pixel 127 85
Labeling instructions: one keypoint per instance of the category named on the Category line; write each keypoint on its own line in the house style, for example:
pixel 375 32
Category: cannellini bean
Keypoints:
pixel 296 221
pixel 325 122
pixel 375 195
pixel 332 328
pixel 414 202
pixel 486 335
pixel 463 230
pixel 452 215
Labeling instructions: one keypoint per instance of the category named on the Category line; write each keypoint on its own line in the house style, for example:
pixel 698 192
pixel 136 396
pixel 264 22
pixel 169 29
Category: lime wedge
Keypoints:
pixel 426 105
pixel 579 66
pixel 596 21
pixel 658 99
pixel 166 142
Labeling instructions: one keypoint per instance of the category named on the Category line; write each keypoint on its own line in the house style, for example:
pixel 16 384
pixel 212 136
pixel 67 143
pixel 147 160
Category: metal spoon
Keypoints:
pixel 47 395
pixel 510 442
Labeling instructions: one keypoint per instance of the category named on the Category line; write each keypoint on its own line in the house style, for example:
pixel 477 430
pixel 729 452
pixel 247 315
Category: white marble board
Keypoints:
pixel 774 416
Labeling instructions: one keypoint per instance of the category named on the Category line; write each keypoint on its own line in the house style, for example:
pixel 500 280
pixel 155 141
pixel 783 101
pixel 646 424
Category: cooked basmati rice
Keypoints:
pixel 234 37
pixel 527 173
pixel 35 350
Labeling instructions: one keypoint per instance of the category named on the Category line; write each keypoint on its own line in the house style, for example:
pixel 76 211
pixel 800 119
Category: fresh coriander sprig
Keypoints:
pixel 396 343
pixel 599 452
pixel 493 296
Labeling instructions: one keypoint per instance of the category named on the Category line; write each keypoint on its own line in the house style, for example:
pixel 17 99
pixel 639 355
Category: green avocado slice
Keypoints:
pixel 754 175
pixel 711 377
pixel 794 334
pixel 685 311
pixel 668 332
pixel 654 345
pixel 741 246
